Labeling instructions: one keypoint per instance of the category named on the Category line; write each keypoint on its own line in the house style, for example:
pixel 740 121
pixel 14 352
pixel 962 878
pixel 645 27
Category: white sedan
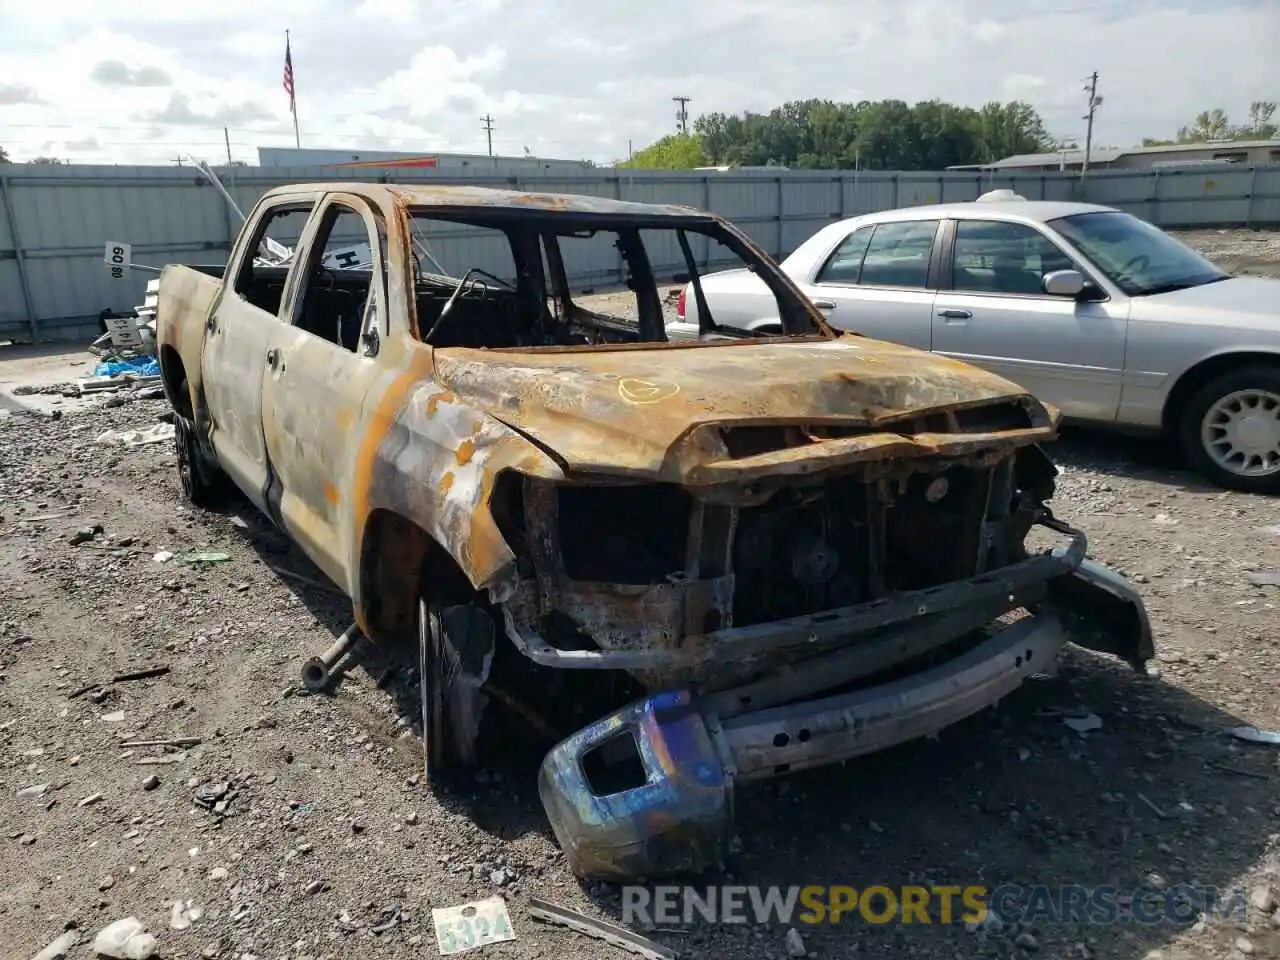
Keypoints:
pixel 1091 309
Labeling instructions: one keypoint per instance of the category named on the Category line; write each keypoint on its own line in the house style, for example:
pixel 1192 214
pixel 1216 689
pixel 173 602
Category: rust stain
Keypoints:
pixel 446 483
pixel 434 401
pixel 331 494
pixel 466 450
pixel 381 421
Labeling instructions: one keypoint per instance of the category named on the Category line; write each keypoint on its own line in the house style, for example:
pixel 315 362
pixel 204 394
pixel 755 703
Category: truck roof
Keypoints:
pixel 433 195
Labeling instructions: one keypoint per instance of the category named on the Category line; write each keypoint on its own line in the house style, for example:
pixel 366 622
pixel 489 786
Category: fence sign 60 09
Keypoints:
pixel 118 257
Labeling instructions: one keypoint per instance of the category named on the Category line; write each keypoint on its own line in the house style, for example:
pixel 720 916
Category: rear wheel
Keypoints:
pixel 1229 430
pixel 203 484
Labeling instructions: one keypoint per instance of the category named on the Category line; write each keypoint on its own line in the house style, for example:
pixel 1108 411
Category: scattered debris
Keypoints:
pixel 83 535
pixel 1153 807
pixel 795 945
pixel 206 556
pixel 90 800
pixel 314 887
pixel 1086 724
pixel 150 782
pixel 158 433
pixel 184 914
pixel 217 796
pixel 471 925
pixel 59 947
pixel 140 674
pixel 1254 735
pixel 163 556
pixel 620 937
pixel 389 918
pixel 1262 899
pixel 33 792
pixel 1164 520
pixel 116 716
pixel 1264 578
pixel 171 742
pixel 125 939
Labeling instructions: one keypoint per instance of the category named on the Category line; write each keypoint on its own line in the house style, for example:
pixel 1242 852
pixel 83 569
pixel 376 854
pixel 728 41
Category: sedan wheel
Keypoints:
pixel 1231 430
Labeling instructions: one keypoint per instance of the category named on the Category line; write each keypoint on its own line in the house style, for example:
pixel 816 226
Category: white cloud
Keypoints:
pixel 580 78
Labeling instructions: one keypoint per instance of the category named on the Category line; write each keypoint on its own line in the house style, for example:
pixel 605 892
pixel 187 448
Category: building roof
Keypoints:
pixel 1110 154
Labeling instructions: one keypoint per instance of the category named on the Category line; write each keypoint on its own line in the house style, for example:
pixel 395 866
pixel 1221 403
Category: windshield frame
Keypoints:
pixel 800 319
pixel 1193 268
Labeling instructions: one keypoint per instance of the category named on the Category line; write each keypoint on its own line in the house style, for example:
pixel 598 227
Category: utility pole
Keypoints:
pixel 488 129
pixel 630 155
pixel 1095 102
pixel 682 114
pixel 226 138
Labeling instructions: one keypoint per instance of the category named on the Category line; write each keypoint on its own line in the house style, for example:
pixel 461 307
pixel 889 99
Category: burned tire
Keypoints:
pixel 203 485
pixel 455 653
pixel 1229 430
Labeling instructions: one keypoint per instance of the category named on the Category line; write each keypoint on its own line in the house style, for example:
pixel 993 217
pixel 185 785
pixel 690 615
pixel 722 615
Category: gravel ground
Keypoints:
pixel 328 846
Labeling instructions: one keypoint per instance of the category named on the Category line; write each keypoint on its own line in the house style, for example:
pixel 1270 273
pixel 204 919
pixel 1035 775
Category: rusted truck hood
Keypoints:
pixel 638 410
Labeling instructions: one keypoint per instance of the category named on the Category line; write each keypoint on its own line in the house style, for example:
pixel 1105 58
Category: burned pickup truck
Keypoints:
pixel 723 559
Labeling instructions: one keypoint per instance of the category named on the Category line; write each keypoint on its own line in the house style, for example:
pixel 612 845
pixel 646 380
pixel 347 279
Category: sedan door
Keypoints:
pixel 878 282
pixel 993 312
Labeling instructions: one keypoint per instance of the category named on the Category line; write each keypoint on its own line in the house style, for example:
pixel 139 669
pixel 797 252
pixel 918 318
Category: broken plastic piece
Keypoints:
pixel 125 939
pixel 639 793
pixel 1086 724
pixel 1254 735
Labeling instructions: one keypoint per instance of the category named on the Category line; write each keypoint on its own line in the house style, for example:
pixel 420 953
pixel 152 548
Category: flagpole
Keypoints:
pixel 293 100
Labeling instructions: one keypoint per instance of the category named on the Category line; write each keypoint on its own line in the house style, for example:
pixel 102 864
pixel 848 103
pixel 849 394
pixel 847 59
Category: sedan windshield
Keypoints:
pixel 1138 258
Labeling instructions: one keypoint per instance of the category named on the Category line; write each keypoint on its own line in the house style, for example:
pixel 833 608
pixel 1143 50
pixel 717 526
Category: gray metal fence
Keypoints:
pixel 55 221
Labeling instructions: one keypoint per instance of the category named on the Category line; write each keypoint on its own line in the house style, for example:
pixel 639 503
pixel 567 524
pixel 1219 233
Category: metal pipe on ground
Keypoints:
pixel 317 672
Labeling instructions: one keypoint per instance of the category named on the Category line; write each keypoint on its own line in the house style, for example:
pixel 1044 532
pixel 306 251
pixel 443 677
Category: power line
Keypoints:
pixel 682 114
pixel 488 129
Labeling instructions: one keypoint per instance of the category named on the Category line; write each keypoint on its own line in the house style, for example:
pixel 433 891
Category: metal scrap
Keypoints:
pixel 620 937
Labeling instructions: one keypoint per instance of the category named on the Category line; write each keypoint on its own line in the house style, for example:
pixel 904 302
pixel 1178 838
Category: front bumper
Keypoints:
pixel 674 816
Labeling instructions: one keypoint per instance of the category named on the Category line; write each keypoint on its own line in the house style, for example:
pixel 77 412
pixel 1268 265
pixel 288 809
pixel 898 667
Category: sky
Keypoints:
pixel 147 81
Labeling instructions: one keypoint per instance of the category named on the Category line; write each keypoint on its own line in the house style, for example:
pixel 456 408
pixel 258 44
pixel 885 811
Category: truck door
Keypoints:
pixel 320 366
pixel 238 334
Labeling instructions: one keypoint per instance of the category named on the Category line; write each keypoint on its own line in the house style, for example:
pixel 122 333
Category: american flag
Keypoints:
pixel 288 74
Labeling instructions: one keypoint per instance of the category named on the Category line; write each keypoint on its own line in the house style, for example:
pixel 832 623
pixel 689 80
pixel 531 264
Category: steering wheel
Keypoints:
pixel 1136 263
pixel 453 298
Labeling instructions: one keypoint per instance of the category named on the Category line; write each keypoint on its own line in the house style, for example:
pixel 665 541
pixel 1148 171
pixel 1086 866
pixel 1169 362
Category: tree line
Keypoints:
pixel 880 135
pixel 1216 125
pixel 892 135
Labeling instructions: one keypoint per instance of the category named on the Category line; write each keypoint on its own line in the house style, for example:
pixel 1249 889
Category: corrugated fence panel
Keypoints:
pixel 869 192
pixel 1266 197
pixel 65 215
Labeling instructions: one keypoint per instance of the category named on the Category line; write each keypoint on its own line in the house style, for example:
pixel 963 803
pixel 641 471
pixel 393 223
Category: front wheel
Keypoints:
pixel 1230 430
pixel 455 654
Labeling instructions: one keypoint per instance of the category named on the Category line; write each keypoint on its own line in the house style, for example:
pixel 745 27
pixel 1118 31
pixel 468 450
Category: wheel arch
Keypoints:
pixel 173 377
pixel 1195 377
pixel 399 561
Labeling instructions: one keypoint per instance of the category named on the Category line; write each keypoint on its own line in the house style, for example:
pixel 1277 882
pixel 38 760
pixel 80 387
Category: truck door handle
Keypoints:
pixel 273 357
pixel 955 314
pixel 825 304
